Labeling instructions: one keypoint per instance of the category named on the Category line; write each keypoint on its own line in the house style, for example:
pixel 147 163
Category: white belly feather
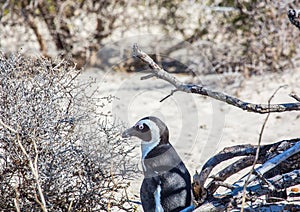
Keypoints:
pixel 158 206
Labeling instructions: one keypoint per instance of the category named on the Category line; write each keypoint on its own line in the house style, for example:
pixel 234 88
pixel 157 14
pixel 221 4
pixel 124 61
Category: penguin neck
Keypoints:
pixel 148 147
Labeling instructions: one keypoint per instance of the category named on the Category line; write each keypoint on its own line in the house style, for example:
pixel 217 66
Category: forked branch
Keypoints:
pixel 197 89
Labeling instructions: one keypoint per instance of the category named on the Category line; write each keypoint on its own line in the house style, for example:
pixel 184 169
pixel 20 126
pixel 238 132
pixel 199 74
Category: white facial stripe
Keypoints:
pixel 157 194
pixel 147 146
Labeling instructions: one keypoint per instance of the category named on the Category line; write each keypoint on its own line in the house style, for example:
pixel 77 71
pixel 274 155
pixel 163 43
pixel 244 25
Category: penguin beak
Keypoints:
pixel 129 132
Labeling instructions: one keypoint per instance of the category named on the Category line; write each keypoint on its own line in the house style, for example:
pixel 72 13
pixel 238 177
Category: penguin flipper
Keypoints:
pixel 147 191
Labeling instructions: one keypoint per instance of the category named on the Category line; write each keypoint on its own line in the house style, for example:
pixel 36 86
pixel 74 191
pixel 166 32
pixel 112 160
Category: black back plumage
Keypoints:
pixel 164 167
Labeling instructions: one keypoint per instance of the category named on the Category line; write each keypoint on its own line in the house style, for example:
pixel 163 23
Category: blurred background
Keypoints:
pixel 245 36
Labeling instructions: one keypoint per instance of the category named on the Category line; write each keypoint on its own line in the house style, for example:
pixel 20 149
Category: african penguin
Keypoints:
pixel 167 182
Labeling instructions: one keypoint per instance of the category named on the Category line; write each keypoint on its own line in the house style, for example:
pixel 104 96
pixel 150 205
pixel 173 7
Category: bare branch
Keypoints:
pixel 230 170
pixel 32 165
pixel 258 149
pixel 197 89
pixel 278 182
pixel 225 154
pixel 223 184
pixel 156 70
pixel 172 92
pixel 147 76
pixel 295 96
pixel 16 200
pixel 8 127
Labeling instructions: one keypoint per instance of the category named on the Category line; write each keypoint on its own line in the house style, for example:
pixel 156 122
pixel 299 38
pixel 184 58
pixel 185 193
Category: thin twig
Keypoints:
pixel 32 165
pixel 113 188
pixel 172 92
pixel 71 204
pixel 295 96
pixel 258 149
pixel 8 127
pixel 147 76
pixel 264 180
pixel 16 200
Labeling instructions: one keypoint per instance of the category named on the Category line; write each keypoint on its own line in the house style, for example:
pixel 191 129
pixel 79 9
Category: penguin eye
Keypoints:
pixel 141 127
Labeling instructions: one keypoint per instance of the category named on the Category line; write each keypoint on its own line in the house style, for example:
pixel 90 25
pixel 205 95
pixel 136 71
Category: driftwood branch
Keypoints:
pixel 266 152
pixel 279 170
pixel 272 163
pixel 259 189
pixel 160 73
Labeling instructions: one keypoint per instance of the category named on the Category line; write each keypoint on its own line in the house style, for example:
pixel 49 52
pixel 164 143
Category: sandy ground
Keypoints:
pixel 200 126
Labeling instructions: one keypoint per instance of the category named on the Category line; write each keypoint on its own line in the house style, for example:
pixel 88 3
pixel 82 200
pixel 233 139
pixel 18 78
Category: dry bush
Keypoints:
pixel 56 151
pixel 72 28
pixel 251 37
pixel 255 37
pixel 248 36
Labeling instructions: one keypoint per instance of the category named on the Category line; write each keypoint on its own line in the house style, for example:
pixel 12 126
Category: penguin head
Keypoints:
pixel 150 130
